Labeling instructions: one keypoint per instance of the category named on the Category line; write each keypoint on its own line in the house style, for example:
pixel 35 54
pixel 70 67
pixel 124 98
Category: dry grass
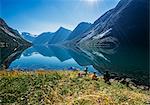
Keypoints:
pixel 64 88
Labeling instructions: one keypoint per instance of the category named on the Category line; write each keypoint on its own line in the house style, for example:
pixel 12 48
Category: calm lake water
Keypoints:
pixel 50 57
pixel 132 62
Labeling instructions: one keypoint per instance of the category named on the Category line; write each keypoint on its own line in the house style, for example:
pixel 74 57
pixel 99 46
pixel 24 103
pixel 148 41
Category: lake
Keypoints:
pixel 49 57
pixel 132 62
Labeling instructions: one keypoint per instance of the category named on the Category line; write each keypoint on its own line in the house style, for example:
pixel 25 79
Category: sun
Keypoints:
pixel 91 2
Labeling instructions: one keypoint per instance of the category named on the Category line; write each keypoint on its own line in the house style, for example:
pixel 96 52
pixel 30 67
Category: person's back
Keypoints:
pixel 86 71
pixel 107 77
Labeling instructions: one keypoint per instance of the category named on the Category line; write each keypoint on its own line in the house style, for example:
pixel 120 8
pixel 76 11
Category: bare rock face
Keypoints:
pixel 9 36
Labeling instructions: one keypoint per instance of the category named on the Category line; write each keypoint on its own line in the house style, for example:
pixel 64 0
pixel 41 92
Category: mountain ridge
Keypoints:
pixel 10 36
pixel 60 35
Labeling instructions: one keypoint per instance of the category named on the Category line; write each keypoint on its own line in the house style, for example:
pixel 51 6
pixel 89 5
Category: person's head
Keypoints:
pixel 107 72
pixel 86 71
pixel 94 73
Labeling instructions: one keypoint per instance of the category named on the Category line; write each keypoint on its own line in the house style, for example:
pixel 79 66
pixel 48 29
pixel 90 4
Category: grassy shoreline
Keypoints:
pixel 65 88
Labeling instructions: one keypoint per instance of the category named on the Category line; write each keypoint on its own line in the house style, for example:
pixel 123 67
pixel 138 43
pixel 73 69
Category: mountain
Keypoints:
pixel 93 28
pixel 27 36
pixel 9 36
pixel 60 35
pixel 52 38
pixel 43 38
pixel 126 24
pixel 121 36
pixel 82 27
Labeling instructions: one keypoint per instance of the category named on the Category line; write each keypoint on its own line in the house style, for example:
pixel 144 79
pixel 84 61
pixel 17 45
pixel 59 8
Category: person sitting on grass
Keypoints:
pixel 94 77
pixel 86 71
pixel 83 74
pixel 107 77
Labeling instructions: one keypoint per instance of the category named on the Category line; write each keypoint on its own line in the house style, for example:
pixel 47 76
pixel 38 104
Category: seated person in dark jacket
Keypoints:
pixel 107 77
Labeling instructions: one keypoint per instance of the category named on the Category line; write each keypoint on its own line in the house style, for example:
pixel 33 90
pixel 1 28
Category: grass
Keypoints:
pixel 64 88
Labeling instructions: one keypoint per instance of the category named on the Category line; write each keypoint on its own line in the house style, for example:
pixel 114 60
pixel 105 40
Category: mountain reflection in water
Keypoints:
pixel 50 57
pixel 130 62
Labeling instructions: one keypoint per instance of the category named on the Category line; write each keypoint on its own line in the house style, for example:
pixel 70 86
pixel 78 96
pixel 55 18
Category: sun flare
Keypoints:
pixel 91 2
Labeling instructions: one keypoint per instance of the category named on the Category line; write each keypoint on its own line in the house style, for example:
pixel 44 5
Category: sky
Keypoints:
pixel 37 16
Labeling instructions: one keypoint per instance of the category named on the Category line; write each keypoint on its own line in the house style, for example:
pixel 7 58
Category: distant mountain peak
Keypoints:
pixel 48 33
pixel 80 28
pixel 62 28
pixel 27 36
pixel 84 23
pixel 60 35
pixel 43 38
pixel 26 33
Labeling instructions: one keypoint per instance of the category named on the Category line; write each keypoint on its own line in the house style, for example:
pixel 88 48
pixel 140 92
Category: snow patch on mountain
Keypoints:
pixel 102 34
